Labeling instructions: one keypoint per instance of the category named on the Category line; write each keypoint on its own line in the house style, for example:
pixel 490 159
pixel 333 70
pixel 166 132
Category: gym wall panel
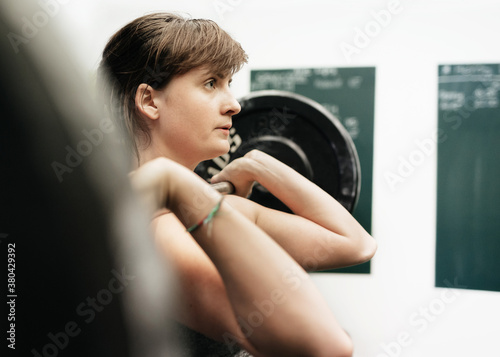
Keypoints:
pixel 468 189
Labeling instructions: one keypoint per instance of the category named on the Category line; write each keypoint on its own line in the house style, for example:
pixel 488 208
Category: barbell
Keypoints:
pixel 299 132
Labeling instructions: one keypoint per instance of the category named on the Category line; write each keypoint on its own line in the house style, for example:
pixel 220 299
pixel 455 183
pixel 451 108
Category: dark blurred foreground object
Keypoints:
pixel 85 278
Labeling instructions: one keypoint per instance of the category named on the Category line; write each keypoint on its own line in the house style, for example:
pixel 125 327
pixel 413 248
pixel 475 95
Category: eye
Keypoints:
pixel 210 84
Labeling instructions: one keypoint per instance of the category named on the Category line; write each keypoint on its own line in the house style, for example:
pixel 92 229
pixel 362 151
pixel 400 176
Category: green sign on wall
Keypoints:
pixel 468 177
pixel 349 94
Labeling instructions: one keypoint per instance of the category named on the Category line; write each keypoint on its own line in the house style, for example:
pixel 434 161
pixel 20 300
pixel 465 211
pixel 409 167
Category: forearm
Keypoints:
pixel 302 196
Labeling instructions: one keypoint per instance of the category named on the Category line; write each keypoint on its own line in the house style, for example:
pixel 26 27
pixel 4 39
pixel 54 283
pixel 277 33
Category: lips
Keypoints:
pixel 226 127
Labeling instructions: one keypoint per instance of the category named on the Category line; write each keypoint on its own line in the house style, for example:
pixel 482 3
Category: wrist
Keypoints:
pixel 255 164
pixel 264 168
pixel 191 198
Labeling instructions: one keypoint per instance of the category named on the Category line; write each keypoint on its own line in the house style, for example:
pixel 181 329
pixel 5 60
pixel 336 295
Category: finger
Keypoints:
pixel 216 179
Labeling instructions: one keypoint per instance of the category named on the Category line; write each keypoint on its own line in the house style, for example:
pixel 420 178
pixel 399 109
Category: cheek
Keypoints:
pixel 190 112
pixel 187 116
pixel 179 131
pixel 183 129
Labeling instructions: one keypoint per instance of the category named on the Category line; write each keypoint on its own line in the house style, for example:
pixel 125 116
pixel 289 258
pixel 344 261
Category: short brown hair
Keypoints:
pixel 153 49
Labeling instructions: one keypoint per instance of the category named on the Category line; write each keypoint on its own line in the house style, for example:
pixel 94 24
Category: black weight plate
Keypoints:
pixel 302 134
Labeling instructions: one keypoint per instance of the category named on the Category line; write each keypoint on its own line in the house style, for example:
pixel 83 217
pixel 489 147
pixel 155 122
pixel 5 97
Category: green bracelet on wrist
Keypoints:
pixel 208 218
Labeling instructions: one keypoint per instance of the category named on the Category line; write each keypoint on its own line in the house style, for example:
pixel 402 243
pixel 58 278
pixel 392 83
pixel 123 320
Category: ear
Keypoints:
pixel 145 102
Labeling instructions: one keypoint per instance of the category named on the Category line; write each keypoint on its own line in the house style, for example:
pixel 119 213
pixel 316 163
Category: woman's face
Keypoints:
pixel 195 115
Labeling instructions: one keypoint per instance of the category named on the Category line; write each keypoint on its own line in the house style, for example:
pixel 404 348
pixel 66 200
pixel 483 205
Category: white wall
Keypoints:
pixel 395 311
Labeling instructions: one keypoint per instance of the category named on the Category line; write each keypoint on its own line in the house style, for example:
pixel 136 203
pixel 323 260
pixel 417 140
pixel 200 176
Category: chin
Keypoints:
pixel 216 152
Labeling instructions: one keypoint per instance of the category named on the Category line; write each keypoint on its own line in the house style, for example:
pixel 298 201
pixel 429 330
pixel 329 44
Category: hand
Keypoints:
pixel 240 173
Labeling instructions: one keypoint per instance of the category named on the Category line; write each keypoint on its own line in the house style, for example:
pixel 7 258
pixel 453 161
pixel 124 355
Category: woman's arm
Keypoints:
pixel 321 235
pixel 264 287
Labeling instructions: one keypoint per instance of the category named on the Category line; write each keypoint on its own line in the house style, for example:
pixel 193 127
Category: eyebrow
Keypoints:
pixel 210 72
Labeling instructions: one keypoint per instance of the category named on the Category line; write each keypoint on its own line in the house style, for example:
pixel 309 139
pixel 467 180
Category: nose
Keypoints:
pixel 231 105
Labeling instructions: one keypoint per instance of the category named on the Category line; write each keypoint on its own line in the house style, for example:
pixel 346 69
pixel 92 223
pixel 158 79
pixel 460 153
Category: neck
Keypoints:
pixel 151 153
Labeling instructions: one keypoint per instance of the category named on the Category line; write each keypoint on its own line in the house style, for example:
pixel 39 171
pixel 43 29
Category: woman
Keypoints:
pixel 241 265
